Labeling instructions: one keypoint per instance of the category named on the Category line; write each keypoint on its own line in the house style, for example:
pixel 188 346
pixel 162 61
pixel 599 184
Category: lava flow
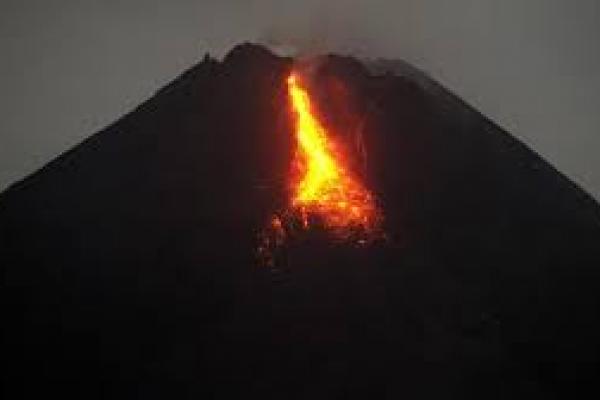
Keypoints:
pixel 322 190
pixel 323 187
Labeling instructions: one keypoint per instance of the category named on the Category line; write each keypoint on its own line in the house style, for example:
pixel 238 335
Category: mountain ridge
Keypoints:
pixel 377 67
pixel 129 268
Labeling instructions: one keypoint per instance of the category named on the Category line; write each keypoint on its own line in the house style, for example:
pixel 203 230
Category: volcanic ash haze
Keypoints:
pixel 128 262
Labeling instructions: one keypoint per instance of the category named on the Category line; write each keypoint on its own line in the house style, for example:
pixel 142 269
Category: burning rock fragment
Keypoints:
pixel 322 187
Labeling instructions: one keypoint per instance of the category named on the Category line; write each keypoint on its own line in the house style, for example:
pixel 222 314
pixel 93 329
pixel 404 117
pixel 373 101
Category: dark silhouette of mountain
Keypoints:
pixel 128 262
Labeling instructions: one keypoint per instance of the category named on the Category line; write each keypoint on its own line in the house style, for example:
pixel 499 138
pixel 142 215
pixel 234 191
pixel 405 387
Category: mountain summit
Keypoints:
pixel 129 261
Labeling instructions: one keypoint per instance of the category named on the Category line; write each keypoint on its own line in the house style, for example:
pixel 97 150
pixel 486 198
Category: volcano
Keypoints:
pixel 129 262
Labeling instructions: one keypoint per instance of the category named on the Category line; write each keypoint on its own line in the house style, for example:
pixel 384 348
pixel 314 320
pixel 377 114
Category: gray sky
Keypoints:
pixel 70 67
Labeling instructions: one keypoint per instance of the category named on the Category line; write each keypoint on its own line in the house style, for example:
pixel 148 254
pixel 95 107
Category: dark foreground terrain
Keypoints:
pixel 128 262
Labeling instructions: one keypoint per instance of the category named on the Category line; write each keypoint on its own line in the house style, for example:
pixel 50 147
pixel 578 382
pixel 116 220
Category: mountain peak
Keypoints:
pixel 129 260
pixel 248 51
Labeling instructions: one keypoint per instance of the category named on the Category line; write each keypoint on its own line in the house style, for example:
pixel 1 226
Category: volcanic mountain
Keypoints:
pixel 129 262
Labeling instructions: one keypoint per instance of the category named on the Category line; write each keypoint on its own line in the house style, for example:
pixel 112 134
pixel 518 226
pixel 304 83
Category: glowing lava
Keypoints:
pixel 323 187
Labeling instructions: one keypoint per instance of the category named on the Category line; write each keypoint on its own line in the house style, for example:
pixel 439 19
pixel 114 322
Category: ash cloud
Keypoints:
pixel 323 28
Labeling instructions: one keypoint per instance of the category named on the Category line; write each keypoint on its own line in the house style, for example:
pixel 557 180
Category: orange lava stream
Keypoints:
pixel 323 187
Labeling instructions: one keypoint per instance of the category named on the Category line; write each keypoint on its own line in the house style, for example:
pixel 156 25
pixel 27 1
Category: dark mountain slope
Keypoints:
pixel 128 262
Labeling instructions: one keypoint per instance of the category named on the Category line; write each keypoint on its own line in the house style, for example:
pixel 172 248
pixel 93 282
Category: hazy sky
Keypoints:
pixel 70 67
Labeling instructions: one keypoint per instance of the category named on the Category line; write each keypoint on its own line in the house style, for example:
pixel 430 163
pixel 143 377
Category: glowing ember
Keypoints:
pixel 323 186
